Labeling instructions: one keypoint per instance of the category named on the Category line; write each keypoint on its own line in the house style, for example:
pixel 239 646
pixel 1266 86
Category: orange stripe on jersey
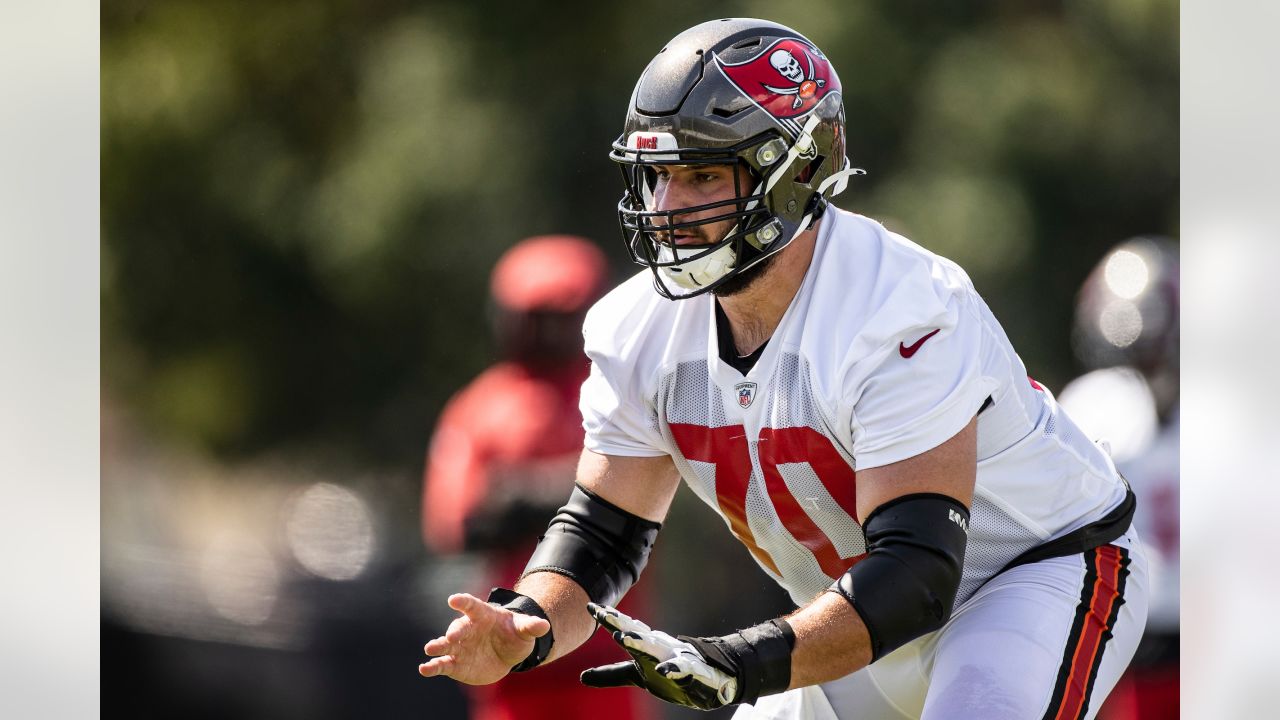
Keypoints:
pixel 1100 601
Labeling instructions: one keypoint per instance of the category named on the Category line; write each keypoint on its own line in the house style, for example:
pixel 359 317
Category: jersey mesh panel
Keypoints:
pixel 686 395
pixel 835 523
pixel 790 403
pixel 995 538
pixel 1071 435
pixel 691 397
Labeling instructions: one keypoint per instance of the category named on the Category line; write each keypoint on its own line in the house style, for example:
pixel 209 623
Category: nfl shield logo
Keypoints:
pixel 746 393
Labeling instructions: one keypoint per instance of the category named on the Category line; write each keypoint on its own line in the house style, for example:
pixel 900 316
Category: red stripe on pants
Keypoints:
pixel 1105 595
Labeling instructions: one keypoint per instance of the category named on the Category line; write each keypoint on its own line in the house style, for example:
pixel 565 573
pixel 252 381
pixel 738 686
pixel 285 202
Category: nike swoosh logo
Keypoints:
pixel 908 350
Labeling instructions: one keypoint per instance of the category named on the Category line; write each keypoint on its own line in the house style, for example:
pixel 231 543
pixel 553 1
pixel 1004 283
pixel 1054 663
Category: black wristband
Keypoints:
pixel 515 602
pixel 758 657
pixel 768 670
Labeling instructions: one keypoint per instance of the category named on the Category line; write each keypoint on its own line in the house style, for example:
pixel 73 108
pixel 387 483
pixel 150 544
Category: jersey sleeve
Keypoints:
pixel 615 421
pixel 922 387
pixel 617 417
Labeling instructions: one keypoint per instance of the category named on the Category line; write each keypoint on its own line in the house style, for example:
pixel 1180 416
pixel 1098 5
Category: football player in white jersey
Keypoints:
pixel 1127 334
pixel 844 399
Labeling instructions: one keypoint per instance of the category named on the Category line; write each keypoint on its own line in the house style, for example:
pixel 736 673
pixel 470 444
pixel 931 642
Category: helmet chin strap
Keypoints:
pixel 804 145
pixel 841 181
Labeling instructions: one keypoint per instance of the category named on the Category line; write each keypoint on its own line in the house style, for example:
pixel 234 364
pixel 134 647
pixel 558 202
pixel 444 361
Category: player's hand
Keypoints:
pixel 483 644
pixel 670 668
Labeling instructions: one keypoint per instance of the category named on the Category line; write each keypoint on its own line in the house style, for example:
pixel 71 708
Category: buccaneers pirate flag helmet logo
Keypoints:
pixel 787 79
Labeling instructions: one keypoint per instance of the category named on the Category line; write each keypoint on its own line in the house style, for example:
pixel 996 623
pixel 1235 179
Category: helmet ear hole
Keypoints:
pixel 808 171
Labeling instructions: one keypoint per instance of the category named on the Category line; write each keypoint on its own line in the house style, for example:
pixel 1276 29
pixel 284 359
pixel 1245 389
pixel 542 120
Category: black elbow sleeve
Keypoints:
pixel 596 544
pixel 906 585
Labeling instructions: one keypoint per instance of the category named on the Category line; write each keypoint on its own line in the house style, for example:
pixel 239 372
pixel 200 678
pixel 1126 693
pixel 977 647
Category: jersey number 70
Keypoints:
pixel 726 448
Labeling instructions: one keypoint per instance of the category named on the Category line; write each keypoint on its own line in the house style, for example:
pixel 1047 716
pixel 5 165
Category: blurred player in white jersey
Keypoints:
pixel 847 403
pixel 1126 333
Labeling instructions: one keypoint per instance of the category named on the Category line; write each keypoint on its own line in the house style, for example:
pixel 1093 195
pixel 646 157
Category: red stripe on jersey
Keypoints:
pixel 726 448
pixel 806 445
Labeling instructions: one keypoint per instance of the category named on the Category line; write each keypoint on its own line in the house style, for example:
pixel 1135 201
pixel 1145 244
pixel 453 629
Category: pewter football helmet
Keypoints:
pixel 735 92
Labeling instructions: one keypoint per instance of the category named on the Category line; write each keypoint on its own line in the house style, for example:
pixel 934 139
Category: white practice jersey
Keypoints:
pixel 885 352
pixel 1116 405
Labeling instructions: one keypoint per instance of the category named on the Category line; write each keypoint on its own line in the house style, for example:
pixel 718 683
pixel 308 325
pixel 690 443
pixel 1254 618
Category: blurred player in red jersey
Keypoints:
pixel 505 452
pixel 1126 334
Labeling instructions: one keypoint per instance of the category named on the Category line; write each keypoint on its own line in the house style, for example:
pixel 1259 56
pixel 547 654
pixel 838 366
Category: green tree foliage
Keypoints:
pixel 301 200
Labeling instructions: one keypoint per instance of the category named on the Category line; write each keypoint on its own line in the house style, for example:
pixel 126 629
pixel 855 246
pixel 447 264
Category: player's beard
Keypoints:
pixel 741 282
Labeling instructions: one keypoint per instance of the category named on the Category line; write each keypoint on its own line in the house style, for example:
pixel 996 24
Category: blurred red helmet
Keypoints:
pixel 549 273
pixel 542 287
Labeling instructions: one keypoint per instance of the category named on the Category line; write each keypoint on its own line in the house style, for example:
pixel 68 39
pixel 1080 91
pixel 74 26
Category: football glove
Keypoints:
pixel 702 673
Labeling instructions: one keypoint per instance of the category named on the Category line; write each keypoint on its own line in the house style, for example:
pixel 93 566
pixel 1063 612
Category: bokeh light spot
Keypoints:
pixel 330 531
pixel 1127 274
pixel 240 579
pixel 1121 323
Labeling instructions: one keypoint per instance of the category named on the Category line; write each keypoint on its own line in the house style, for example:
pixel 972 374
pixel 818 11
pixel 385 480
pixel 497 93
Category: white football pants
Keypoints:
pixel 1044 640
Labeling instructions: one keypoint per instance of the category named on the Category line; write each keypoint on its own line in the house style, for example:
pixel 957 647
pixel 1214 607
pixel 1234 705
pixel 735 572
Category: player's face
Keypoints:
pixel 681 186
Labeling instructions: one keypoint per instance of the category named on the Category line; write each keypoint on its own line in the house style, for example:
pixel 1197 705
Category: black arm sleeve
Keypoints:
pixel 907 583
pixel 596 544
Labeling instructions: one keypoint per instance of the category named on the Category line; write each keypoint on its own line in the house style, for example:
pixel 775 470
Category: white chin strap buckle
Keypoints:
pixel 700 272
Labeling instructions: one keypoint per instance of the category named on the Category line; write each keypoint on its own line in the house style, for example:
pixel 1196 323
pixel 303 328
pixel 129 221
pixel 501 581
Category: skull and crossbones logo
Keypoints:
pixel 787 66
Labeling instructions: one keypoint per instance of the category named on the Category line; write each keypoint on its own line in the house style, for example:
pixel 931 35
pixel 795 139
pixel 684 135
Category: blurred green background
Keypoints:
pixel 301 202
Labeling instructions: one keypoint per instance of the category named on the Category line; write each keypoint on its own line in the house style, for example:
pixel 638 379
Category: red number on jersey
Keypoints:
pixel 726 448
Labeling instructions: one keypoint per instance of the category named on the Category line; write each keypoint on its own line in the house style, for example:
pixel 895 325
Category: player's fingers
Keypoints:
pixel 671 670
pixel 456 632
pixel 645 644
pixel 437 666
pixel 615 675
pixel 683 666
pixel 605 615
pixel 438 646
pixel 468 604
pixel 613 619
pixel 530 626
pixel 617 637
pixel 600 615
